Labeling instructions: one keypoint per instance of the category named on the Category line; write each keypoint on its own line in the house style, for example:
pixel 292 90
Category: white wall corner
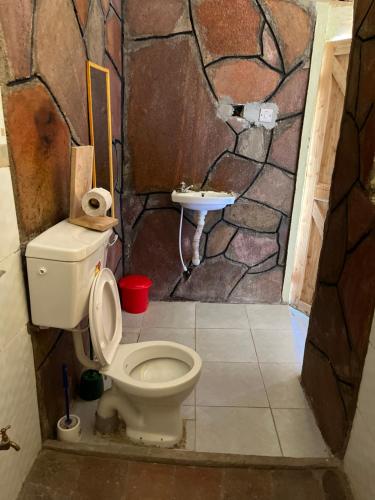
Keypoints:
pixel 359 461
pixel 18 399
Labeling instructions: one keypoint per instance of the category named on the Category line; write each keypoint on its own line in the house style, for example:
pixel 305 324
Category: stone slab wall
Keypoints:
pixel 344 301
pixel 186 60
pixel 44 46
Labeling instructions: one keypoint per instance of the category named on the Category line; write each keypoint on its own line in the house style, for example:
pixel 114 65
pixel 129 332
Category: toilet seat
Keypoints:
pixel 118 361
pixel 105 317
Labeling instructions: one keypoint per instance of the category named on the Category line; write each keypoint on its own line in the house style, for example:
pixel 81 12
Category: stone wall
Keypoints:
pixel 185 61
pixel 44 46
pixel 344 299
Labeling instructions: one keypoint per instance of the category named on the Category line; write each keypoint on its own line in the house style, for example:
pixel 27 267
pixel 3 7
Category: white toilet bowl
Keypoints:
pixel 67 283
pixel 150 381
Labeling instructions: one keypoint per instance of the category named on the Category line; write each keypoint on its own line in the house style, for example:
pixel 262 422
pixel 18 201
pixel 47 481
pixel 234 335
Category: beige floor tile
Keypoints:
pixel 299 320
pixel 222 316
pixel 130 335
pixel 298 433
pixel 282 381
pixel 185 336
pixel 225 345
pixel 279 346
pixel 265 317
pixel 231 384
pixel 188 412
pixel 170 315
pixel 236 430
pixel 190 435
pixel 190 400
pixel 131 320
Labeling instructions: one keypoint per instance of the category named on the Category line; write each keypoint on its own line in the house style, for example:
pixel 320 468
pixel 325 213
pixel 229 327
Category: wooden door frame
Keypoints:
pixel 313 191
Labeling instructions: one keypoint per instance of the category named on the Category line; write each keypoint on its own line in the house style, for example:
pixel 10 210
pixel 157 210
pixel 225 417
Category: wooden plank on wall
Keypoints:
pixel 322 192
pixel 318 218
pixel 341 47
pixel 312 261
pixel 302 306
pixel 339 75
pixel 332 133
pixel 312 174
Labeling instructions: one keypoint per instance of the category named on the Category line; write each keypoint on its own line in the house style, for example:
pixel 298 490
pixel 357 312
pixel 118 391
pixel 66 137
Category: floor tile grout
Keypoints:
pixel 277 433
pixel 269 404
pixel 234 406
pixel 251 407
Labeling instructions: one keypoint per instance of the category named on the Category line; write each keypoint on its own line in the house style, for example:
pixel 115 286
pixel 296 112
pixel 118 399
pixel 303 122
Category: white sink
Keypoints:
pixel 203 200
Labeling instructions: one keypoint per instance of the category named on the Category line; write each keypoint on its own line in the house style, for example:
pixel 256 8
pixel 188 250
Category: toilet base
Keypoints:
pixel 148 422
pixel 107 425
pixel 153 439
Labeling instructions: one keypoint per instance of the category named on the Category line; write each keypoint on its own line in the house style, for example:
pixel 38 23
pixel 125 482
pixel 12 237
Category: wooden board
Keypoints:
pixel 80 177
pixel 320 163
pixel 95 223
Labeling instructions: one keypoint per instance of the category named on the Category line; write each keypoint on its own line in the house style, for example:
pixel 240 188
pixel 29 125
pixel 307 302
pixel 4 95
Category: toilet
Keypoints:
pixel 68 283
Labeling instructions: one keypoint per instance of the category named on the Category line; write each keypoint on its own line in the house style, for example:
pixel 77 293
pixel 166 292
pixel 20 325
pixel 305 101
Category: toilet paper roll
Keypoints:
pixel 96 202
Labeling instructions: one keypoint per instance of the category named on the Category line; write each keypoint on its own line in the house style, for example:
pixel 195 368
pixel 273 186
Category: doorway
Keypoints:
pixel 321 128
pixel 320 163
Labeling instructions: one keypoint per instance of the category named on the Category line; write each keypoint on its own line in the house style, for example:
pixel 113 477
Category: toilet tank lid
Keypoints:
pixel 66 242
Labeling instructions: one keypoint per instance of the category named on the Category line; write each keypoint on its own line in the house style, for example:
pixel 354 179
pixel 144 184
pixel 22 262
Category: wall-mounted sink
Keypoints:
pixel 203 200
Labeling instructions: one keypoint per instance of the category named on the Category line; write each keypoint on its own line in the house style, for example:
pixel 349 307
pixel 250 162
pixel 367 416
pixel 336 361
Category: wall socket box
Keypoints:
pixel 266 115
pixel 261 114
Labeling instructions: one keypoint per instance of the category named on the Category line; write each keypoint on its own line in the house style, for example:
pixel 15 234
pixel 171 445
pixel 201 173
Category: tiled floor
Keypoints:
pixel 73 477
pixel 249 399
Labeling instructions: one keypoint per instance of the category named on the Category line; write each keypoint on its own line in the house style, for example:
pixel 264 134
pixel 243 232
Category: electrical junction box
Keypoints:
pixel 266 115
pixel 261 114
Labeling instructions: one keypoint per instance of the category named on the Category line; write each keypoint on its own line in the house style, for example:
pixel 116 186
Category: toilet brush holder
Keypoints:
pixel 91 385
pixel 69 430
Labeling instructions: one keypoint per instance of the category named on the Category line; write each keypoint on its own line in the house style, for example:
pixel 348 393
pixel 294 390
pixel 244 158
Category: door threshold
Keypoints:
pixel 187 457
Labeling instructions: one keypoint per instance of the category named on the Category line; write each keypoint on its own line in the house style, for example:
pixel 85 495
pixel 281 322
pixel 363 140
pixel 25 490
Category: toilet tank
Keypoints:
pixel 61 267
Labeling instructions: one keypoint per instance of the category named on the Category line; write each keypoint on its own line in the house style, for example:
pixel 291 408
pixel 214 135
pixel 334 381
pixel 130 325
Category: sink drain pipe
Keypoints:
pixel 196 241
pixel 197 237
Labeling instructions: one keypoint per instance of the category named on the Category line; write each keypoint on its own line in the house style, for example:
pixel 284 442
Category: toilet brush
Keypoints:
pixel 68 426
pixel 68 420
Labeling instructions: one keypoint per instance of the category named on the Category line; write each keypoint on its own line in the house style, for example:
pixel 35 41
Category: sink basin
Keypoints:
pixel 203 200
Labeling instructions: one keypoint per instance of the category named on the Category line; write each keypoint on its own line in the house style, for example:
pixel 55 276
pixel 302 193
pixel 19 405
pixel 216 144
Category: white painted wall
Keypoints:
pixel 334 21
pixel 18 402
pixel 359 460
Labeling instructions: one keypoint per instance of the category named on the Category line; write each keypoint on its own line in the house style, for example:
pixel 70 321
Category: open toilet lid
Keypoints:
pixel 105 316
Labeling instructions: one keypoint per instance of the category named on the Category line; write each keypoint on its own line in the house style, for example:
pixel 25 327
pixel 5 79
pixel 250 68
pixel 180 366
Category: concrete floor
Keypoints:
pixel 62 476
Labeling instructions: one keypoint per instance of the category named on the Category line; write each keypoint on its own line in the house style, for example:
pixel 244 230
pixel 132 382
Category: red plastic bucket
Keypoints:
pixel 134 293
